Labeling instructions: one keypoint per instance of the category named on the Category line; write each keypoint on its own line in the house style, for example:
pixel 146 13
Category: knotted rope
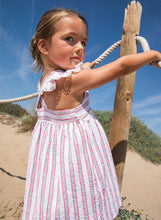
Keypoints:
pixel 141 40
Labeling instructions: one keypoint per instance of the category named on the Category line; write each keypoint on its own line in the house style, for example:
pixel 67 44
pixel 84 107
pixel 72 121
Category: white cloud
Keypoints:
pixel 4 35
pixel 24 64
pixel 20 52
pixel 12 45
pixel 149 111
pixel 152 100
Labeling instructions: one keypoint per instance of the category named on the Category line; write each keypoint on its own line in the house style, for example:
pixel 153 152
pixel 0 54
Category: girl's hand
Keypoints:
pixel 157 61
pixel 88 65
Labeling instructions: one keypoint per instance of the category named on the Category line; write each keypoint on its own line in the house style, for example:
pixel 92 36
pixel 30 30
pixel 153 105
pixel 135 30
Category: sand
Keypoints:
pixel 141 182
pixel 142 185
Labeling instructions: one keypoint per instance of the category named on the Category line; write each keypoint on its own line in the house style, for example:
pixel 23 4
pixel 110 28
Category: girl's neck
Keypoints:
pixel 46 72
pixel 50 68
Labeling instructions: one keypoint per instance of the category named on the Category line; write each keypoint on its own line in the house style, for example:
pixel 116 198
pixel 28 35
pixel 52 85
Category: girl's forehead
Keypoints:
pixel 71 22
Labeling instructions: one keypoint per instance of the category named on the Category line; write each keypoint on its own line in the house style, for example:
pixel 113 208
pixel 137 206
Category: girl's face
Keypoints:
pixel 67 46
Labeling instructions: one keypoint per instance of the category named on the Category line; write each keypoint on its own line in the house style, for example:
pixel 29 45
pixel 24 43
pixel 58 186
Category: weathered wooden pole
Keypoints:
pixel 119 130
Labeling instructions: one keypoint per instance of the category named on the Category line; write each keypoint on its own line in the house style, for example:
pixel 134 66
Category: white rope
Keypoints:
pixel 107 52
pixel 19 99
pixel 141 40
pixel 145 47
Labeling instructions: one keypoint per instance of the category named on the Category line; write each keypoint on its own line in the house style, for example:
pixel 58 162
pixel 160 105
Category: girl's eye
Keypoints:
pixel 69 39
pixel 84 43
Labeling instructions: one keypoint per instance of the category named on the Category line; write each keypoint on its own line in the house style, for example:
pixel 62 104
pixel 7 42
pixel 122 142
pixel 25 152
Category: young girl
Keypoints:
pixel 70 173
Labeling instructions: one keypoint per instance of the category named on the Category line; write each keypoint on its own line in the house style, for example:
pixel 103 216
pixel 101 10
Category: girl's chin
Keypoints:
pixel 70 66
pixel 65 67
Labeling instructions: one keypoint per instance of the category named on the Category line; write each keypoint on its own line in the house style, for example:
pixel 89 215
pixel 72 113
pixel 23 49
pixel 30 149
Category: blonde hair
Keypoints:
pixel 45 30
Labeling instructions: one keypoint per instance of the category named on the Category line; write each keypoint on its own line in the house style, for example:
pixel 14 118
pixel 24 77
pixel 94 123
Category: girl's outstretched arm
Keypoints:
pixel 93 78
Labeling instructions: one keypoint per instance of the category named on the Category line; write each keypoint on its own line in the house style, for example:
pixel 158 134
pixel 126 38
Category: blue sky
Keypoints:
pixel 18 20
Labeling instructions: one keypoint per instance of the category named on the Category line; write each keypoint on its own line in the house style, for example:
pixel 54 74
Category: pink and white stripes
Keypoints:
pixel 70 170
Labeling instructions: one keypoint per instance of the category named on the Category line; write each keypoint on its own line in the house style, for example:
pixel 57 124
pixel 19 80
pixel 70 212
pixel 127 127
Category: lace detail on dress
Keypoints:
pixel 49 83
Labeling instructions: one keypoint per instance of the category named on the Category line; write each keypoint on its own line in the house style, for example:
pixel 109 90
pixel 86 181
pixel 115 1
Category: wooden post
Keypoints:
pixel 119 130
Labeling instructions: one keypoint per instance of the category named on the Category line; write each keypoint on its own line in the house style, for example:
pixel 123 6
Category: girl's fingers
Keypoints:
pixel 89 65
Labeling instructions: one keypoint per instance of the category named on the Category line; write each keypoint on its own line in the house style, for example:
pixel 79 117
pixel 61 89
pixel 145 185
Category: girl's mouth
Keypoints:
pixel 76 58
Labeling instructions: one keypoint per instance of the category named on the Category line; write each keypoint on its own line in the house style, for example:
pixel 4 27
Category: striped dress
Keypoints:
pixel 70 172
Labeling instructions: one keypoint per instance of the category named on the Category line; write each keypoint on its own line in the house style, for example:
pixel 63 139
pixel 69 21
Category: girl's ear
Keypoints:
pixel 42 46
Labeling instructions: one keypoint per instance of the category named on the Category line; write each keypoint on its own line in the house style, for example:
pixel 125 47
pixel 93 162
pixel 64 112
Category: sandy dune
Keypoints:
pixel 141 183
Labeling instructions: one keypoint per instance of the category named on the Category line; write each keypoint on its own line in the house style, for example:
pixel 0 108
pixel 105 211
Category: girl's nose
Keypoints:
pixel 79 47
